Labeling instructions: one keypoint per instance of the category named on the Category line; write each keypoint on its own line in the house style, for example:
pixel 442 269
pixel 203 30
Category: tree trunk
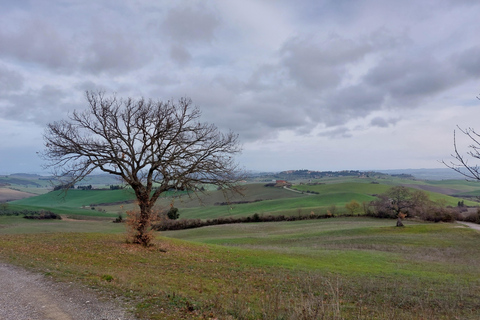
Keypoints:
pixel 140 229
pixel 399 222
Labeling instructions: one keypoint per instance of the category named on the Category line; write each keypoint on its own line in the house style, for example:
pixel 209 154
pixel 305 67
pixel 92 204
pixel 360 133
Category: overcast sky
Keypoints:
pixel 320 85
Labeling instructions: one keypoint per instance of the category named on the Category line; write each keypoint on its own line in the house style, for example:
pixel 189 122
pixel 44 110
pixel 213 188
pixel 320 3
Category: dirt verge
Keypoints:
pixel 25 295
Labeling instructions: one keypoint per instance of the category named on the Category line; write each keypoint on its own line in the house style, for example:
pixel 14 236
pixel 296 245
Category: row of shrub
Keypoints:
pixel 432 213
pixel 42 215
pixel 197 223
pixel 31 214
pixel 226 203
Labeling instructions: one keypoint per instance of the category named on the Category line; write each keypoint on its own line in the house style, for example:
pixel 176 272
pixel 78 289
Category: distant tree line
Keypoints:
pixel 63 187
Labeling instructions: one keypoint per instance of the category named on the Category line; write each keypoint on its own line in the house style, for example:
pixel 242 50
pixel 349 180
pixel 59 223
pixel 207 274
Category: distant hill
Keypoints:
pixel 420 174
pixel 427 174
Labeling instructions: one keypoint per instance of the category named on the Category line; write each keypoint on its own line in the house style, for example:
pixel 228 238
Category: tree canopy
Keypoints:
pixel 153 146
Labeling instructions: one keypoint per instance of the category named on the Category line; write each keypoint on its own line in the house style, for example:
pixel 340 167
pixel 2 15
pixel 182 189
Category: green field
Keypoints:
pixel 344 268
pixel 273 201
pixel 341 268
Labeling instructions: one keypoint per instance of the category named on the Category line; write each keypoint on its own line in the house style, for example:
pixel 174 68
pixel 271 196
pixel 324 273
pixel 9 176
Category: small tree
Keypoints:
pixel 352 207
pixel 3 206
pixel 399 202
pixel 153 146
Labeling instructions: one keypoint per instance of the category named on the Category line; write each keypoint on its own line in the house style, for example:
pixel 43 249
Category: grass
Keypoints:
pixel 275 201
pixel 18 225
pixel 343 268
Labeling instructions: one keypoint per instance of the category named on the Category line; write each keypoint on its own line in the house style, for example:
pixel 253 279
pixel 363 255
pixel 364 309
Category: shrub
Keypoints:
pixel 139 231
pixel 107 277
pixel 438 214
pixel 173 214
pixel 473 217
pixel 167 224
pixel 41 215
pixel 119 219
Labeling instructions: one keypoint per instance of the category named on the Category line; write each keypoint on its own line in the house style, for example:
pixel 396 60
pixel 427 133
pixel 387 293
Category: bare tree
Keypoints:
pixel 461 163
pixel 153 146
pixel 398 202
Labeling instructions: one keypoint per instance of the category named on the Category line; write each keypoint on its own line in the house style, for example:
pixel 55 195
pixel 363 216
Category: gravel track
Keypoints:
pixel 470 225
pixel 29 296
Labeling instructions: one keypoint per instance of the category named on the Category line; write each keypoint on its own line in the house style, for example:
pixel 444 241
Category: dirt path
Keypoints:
pixel 470 225
pixel 25 295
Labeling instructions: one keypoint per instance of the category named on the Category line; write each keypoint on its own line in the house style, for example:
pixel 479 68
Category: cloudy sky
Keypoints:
pixel 317 84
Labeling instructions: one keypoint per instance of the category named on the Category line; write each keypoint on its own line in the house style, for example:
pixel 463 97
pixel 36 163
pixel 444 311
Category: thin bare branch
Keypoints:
pixel 153 146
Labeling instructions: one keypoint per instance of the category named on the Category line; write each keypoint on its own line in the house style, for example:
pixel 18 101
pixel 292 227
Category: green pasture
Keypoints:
pixel 340 268
pixel 272 201
pixel 367 188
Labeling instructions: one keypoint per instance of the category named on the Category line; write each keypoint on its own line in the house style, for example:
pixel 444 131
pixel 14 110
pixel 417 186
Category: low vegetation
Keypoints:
pixel 300 267
pixel 350 268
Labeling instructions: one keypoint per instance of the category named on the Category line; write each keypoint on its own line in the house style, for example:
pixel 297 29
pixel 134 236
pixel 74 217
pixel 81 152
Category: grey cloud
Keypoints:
pixel 10 80
pixel 321 66
pixel 382 122
pixel 340 132
pixel 35 41
pixel 190 24
pixel 345 104
pixel 39 106
pixel 469 61
pixel 406 82
pixel 180 54
pixel 114 51
pixel 411 78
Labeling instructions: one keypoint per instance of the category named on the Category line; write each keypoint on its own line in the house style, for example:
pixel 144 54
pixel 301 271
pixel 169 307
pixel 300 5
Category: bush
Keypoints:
pixel 173 214
pixel 41 215
pixel 119 219
pixel 440 215
pixel 472 217
pixel 167 224
pixel 138 231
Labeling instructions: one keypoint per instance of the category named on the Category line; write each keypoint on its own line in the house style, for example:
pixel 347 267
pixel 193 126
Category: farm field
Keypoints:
pixel 258 198
pixel 340 268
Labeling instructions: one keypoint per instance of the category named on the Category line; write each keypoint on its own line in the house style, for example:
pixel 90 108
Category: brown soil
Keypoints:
pixel 7 194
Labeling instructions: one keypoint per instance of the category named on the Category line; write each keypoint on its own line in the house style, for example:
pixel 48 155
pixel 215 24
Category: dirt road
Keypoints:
pixel 25 295
pixel 470 225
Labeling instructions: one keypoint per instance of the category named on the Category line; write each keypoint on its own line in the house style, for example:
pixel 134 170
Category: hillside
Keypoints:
pixel 331 193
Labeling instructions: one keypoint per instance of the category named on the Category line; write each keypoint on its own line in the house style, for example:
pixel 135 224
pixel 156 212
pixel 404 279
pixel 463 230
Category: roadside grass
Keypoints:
pixel 343 268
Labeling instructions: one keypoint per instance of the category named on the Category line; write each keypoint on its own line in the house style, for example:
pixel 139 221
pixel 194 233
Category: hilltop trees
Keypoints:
pixel 153 146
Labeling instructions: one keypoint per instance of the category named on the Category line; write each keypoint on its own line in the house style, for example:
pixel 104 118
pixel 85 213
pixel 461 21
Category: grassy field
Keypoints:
pixel 263 200
pixel 343 268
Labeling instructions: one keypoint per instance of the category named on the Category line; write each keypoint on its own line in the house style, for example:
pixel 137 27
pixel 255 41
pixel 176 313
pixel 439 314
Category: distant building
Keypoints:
pixel 282 183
